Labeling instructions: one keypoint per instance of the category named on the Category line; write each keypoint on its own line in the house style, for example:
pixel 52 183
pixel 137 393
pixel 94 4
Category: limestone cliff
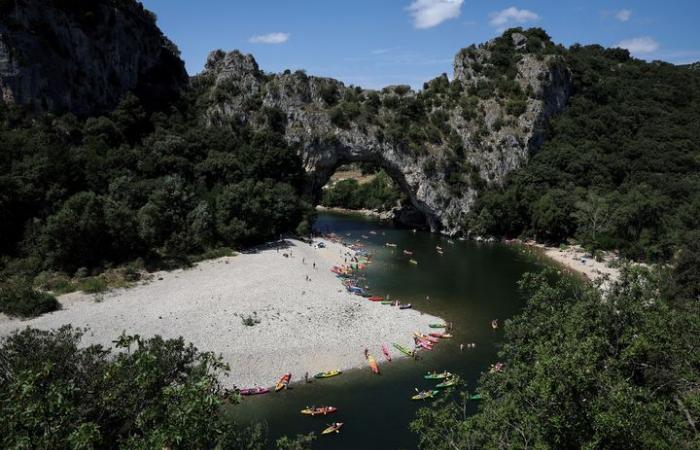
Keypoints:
pixel 83 56
pixel 441 144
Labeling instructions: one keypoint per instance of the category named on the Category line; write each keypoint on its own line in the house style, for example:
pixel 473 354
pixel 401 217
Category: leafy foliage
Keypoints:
pixel 132 184
pixel 151 393
pixel 18 298
pixel 586 372
pixel 619 169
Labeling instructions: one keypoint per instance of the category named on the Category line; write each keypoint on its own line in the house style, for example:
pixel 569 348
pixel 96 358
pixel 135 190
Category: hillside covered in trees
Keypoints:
pixel 620 167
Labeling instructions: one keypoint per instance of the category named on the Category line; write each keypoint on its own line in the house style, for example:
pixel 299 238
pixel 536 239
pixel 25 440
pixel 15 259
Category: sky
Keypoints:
pixel 375 43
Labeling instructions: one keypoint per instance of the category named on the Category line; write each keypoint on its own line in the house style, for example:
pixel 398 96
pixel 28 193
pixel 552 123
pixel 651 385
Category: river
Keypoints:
pixel 469 285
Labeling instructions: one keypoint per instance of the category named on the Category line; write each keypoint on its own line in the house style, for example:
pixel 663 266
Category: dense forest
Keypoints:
pixel 135 188
pixel 620 167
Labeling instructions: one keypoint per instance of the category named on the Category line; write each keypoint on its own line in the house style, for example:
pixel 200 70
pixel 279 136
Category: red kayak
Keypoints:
pixel 254 391
pixel 375 298
pixel 385 350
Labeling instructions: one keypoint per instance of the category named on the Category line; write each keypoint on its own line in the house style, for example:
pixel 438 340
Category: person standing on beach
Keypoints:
pixel 461 347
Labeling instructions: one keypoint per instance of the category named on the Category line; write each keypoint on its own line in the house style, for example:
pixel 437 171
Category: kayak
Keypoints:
pixel 389 244
pixel 375 298
pixel 447 383
pixel 438 325
pixel 253 391
pixel 407 252
pixel 425 344
pixel 403 349
pixel 425 394
pixel 406 306
pixel 413 261
pixel 385 350
pixel 373 364
pixel 334 427
pixel 283 382
pixel 387 302
pixel 319 410
pixel 423 337
pixel 328 374
pixel 475 397
pixel 437 376
pixel 441 335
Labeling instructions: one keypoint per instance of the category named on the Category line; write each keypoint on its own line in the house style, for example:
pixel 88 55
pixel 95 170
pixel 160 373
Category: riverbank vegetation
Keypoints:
pixel 584 370
pixel 619 168
pixel 154 189
pixel 147 393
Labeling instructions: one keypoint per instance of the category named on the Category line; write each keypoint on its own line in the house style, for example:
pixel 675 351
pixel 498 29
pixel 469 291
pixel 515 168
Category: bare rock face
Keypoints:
pixel 442 144
pixel 83 56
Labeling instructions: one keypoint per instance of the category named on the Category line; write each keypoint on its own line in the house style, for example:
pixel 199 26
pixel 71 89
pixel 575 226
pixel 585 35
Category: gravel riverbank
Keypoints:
pixel 305 324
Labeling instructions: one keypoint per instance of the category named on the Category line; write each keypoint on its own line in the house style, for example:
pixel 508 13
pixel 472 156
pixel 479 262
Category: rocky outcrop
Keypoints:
pixel 84 56
pixel 441 145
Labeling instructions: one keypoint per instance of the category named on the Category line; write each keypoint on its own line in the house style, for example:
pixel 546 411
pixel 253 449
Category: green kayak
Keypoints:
pixel 403 349
pixel 445 384
pixel 387 302
pixel 475 397
pixel 438 325
pixel 437 376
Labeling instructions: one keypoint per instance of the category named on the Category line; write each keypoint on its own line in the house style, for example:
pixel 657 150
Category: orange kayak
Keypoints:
pixel 283 382
pixel 373 364
pixel 375 298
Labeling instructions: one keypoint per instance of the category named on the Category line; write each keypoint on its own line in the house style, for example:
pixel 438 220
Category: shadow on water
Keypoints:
pixel 469 285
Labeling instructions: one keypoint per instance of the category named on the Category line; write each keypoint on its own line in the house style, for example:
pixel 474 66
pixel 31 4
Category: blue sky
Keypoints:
pixel 374 43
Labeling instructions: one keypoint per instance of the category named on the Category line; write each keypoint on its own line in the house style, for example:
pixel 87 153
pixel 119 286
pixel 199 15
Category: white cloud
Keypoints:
pixel 623 15
pixel 429 13
pixel 509 16
pixel 271 38
pixel 639 45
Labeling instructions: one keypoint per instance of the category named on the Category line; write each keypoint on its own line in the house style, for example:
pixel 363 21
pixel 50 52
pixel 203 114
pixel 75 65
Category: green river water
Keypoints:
pixel 469 285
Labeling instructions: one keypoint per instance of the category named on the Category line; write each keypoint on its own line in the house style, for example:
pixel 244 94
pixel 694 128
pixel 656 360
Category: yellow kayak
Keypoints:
pixel 328 374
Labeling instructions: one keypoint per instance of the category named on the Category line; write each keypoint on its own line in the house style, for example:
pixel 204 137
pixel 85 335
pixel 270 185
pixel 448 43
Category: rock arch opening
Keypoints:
pixel 367 174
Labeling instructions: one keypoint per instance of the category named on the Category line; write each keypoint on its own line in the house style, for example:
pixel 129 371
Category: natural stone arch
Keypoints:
pixel 493 139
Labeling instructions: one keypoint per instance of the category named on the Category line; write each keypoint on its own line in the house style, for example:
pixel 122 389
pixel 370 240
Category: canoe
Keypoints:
pixel 475 397
pixel 406 306
pixel 423 337
pixel 437 376
pixel 438 325
pixel 375 298
pixel 425 345
pixel 321 410
pixel 441 335
pixel 334 427
pixel 447 383
pixel 283 382
pixel 373 364
pixel 425 394
pixel 253 391
pixel 403 349
pixel 413 261
pixel 328 374
pixel 385 350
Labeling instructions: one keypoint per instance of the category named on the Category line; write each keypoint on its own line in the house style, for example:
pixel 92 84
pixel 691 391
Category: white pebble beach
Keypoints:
pixel 305 326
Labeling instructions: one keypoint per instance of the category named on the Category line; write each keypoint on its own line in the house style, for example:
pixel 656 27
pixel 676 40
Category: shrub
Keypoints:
pixel 18 298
